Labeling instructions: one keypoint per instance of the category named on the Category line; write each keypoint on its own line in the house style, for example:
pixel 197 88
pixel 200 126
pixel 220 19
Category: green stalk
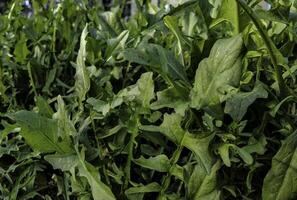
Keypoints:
pixel 273 51
pixel 166 181
pixel 236 20
pixel 31 79
pixel 133 135
pixel 129 159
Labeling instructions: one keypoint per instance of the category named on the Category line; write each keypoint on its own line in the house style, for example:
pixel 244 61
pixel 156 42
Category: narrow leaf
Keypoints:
pixel 82 80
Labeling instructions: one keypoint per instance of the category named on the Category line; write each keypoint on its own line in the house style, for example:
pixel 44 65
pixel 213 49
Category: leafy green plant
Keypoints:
pixel 192 101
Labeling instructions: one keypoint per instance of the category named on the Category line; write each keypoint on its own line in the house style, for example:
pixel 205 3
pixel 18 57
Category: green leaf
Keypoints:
pixel 70 162
pixel 82 80
pixel 202 185
pixel 100 191
pixel 256 145
pixel 65 162
pixel 137 193
pixel 238 104
pixel 172 24
pixel 41 132
pixel 43 108
pixel 116 44
pixel 65 126
pixel 99 105
pixel 170 98
pixel 280 182
pixel 159 59
pixel 21 50
pixel 171 128
pixel 274 111
pixel 220 70
pixel 160 163
pixel 223 150
pixel 216 5
pixel 145 86
pixel 23 179
pixel 229 12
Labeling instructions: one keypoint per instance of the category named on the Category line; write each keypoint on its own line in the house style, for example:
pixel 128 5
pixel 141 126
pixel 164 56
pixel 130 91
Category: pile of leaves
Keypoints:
pixel 195 101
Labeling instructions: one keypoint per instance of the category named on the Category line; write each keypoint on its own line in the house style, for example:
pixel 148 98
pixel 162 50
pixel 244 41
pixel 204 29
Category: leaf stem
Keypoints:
pixel 31 79
pixel 133 135
pixel 130 157
pixel 166 180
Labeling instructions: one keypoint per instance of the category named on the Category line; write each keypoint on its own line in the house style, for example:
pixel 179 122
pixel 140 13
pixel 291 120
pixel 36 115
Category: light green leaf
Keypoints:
pixel 172 23
pixel 202 185
pixel 26 176
pixel 137 193
pixel 172 99
pixel 274 111
pixel 219 71
pixel 238 104
pixel 41 132
pixel 65 125
pixel 100 191
pixel 116 44
pixel 160 163
pixel 82 79
pixel 145 86
pixel 228 12
pixel 43 107
pixel 223 150
pixel 70 162
pixel 216 5
pixel 99 105
pixel 171 128
pixel 21 50
pixel 280 182
pixel 65 162
pixel 256 145
pixel 8 128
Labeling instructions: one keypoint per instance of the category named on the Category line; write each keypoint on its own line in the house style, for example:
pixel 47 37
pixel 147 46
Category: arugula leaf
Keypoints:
pixel 172 99
pixel 135 193
pixel 41 132
pixel 82 80
pixel 214 74
pixel 160 163
pixel 116 44
pixel 280 181
pixel 199 145
pixel 202 185
pixel 159 59
pixel 238 104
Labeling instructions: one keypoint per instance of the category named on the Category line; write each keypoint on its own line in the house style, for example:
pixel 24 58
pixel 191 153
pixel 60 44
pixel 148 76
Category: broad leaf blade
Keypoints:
pixel 100 191
pixel 202 185
pixel 159 59
pixel 41 132
pixel 220 70
pixel 280 182
pixel 238 104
